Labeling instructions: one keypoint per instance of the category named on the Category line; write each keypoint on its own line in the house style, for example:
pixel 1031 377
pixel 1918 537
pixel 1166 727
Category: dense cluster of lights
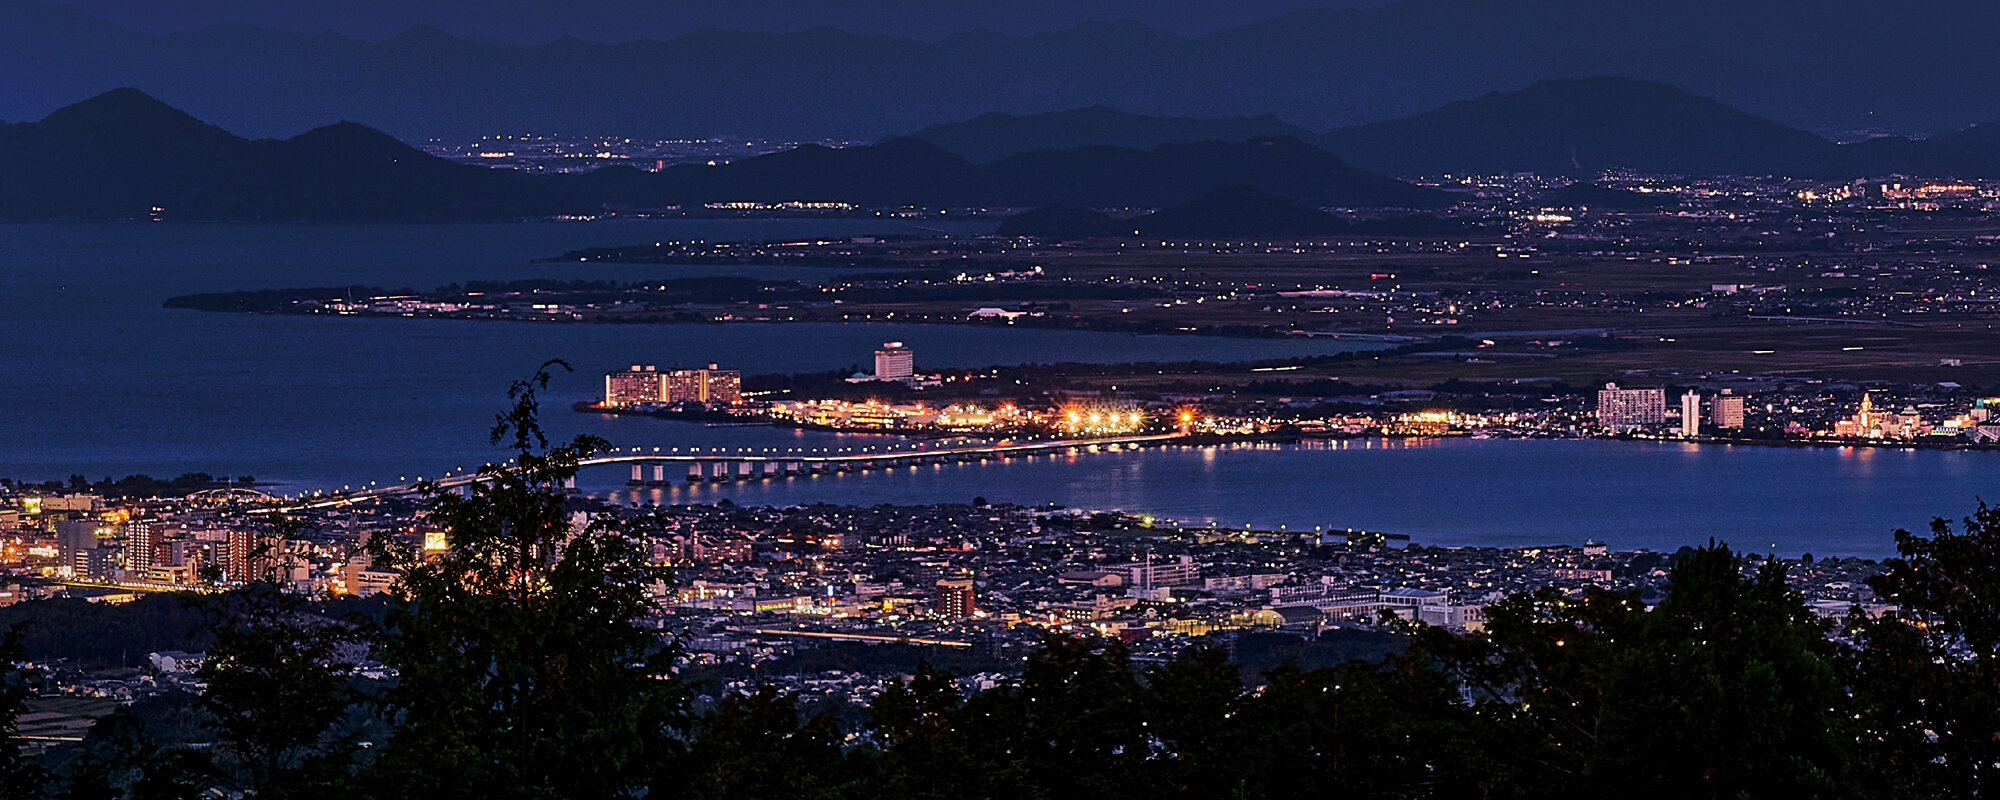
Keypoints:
pixel 1099 421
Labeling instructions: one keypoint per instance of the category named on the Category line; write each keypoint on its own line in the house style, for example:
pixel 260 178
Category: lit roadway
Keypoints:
pixel 853 637
pixel 844 459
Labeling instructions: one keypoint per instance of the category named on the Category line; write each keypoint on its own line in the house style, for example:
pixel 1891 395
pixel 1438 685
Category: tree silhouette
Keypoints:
pixel 756 746
pixel 278 691
pixel 20 778
pixel 1929 673
pixel 1729 688
pixel 524 669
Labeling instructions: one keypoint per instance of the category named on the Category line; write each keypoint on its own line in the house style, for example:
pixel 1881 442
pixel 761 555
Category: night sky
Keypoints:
pixel 607 21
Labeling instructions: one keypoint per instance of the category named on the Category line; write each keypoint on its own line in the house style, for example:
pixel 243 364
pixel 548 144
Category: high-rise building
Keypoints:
pixel 140 538
pixel 74 536
pixel 955 598
pixel 711 387
pixel 635 386
pixel 894 362
pixel 1691 414
pixel 1625 409
pixel 686 386
pixel 725 386
pixel 237 554
pixel 246 555
pixel 1725 411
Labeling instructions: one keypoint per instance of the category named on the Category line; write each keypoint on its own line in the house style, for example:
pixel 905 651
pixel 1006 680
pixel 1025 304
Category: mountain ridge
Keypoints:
pixel 1582 126
pixel 1563 126
pixel 1793 61
pixel 123 154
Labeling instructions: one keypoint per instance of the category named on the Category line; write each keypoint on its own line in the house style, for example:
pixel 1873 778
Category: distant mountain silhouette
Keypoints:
pixel 1575 127
pixel 991 137
pixel 124 154
pixel 1582 127
pixel 1970 153
pixel 907 170
pixel 1810 64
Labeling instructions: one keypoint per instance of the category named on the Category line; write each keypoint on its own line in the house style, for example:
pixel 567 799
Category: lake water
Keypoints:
pixel 96 378
pixel 99 380
pixel 1832 501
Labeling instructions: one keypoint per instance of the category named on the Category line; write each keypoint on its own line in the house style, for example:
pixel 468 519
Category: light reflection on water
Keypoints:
pixel 100 380
pixel 1444 491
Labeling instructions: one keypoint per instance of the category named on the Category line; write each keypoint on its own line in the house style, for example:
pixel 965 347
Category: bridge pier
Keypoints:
pixel 719 471
pixel 746 470
pixel 659 474
pixel 638 475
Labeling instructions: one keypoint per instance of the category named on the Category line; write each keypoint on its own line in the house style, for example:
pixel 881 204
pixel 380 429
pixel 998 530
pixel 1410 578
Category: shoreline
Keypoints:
pixel 725 419
pixel 1217 332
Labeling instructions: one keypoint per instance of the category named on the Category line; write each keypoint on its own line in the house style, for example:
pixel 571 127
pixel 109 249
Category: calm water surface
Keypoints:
pixel 99 380
pixel 1833 501
pixel 96 378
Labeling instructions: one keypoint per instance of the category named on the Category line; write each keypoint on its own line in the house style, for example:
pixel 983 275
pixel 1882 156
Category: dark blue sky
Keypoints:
pixel 605 21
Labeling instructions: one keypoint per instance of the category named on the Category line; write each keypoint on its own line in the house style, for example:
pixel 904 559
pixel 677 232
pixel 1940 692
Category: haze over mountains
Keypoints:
pixel 1578 127
pixel 614 21
pixel 124 155
pixel 993 136
pixel 1810 64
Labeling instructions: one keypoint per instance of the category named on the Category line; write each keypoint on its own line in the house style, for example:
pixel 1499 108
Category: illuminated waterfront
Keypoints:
pixel 106 383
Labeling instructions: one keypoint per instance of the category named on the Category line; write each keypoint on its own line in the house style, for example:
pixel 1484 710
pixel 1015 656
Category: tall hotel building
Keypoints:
pixel 894 362
pixel 955 598
pixel 1725 411
pixel 636 386
pixel 643 385
pixel 1625 409
pixel 710 387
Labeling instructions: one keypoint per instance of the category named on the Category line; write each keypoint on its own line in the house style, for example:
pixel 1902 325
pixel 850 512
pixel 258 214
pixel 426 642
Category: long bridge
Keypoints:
pixel 651 467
